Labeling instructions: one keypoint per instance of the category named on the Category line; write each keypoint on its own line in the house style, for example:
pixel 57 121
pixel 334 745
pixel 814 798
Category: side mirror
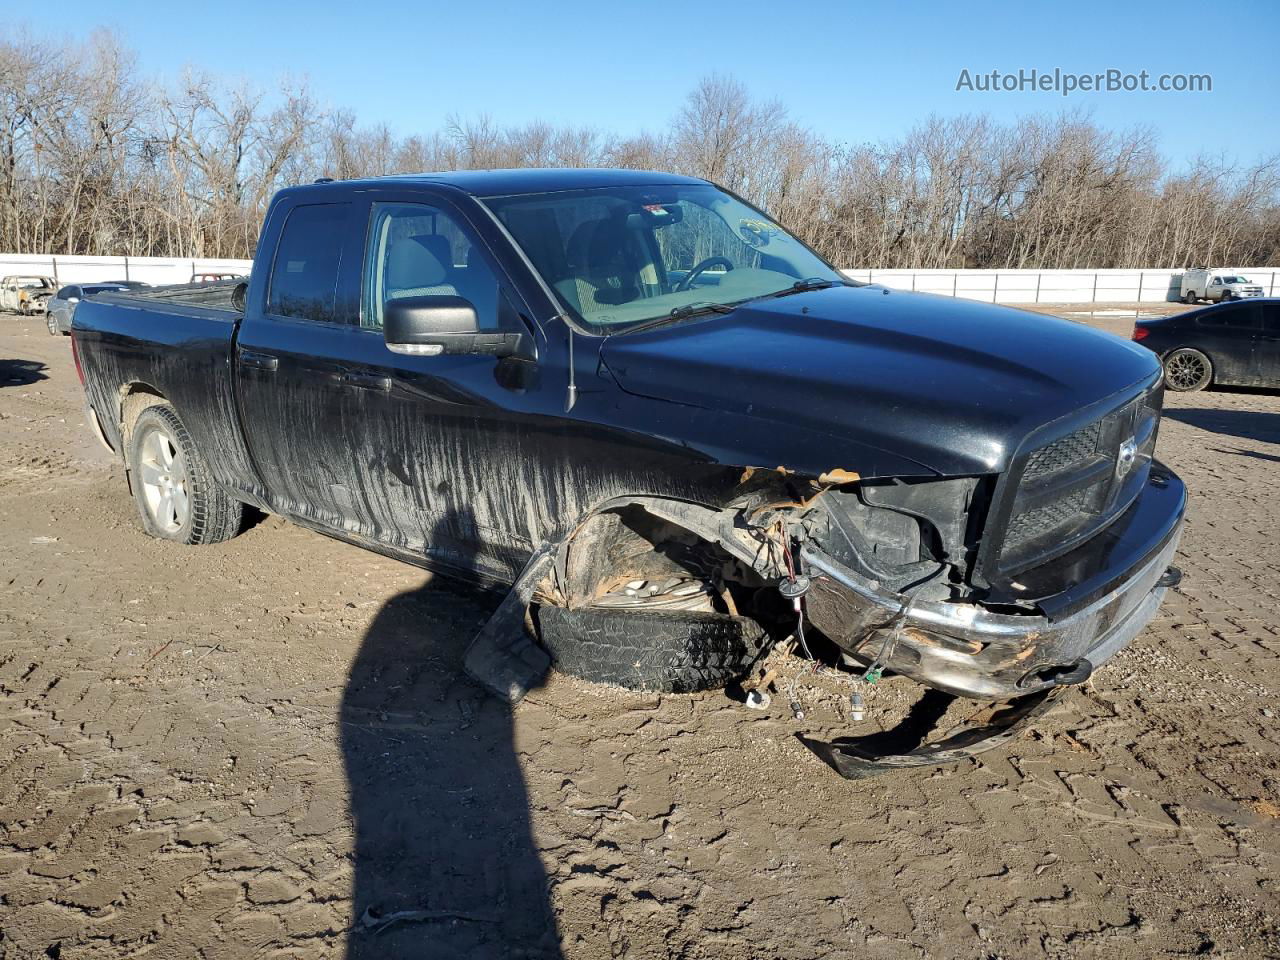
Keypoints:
pixel 431 326
pixel 73 299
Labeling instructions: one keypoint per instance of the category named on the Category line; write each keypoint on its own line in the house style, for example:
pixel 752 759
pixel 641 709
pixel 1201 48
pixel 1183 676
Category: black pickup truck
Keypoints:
pixel 675 430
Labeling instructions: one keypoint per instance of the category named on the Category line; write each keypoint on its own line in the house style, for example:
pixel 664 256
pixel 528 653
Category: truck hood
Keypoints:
pixel 953 385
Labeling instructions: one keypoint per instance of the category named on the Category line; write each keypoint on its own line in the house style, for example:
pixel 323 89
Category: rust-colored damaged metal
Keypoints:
pixel 838 475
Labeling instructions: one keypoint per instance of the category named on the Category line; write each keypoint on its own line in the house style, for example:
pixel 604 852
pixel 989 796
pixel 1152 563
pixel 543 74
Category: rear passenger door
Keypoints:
pixel 290 356
pixel 1228 334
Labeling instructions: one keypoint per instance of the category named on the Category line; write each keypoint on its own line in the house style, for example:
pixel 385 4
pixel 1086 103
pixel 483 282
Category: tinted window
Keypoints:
pixel 67 293
pixel 304 277
pixel 416 250
pixel 1271 317
pixel 1242 316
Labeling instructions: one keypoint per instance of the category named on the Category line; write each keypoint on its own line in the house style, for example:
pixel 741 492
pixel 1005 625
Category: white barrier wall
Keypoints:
pixel 1056 286
pixel 153 270
pixel 993 286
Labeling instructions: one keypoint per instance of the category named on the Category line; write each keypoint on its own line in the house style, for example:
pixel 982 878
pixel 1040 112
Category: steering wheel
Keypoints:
pixel 701 268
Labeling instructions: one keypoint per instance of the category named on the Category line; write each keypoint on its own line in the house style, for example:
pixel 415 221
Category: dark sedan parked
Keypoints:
pixel 62 306
pixel 1235 344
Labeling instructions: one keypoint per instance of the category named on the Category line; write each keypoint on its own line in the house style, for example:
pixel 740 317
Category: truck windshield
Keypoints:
pixel 628 255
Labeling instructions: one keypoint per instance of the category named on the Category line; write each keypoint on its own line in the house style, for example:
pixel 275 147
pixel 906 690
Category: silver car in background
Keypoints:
pixel 62 306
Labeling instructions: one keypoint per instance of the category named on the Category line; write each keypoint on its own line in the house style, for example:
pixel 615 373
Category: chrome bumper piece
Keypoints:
pixel 970 651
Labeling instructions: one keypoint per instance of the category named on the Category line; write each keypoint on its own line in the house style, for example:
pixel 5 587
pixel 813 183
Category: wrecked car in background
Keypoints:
pixel 675 431
pixel 26 295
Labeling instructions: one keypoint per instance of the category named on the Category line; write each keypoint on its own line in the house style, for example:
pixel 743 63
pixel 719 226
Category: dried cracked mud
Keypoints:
pixel 267 749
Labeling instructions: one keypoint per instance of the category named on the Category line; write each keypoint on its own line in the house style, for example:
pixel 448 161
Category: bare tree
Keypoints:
pixel 93 160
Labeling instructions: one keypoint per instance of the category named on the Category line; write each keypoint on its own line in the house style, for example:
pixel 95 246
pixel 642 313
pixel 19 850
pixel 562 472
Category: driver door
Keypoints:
pixel 436 447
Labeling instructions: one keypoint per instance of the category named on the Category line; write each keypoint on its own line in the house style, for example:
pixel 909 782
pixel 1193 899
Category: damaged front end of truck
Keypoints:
pixel 1001 588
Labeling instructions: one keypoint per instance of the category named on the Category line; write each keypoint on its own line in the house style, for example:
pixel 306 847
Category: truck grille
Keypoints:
pixel 1071 449
pixel 1068 489
pixel 1041 520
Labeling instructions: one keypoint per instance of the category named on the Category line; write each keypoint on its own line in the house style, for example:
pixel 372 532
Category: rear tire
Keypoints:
pixel 174 492
pixel 670 652
pixel 1189 297
pixel 1187 370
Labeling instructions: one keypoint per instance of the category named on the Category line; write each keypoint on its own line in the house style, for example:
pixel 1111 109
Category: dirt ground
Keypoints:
pixel 267 749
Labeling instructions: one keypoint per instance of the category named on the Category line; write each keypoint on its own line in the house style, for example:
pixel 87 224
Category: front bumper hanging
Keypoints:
pixel 991 728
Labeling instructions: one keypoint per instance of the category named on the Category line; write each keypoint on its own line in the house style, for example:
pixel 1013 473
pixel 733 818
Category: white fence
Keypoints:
pixel 154 270
pixel 1055 286
pixel 993 286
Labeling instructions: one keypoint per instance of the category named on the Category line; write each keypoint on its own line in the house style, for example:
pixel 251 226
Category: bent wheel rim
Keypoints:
pixel 163 471
pixel 1185 370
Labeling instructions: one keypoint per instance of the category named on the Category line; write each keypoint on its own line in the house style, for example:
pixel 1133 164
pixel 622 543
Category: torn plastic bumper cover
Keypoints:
pixel 997 727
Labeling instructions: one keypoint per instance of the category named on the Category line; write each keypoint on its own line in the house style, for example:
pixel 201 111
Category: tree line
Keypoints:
pixel 94 159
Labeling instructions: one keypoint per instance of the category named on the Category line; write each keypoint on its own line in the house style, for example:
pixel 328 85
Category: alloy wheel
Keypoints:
pixel 164 481
pixel 1186 371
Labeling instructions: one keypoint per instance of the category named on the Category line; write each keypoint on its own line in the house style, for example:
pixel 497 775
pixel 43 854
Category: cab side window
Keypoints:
pixel 416 250
pixel 1238 316
pixel 304 276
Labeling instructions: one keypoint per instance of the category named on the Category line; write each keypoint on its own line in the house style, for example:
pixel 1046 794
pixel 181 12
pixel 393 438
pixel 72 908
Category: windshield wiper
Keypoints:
pixel 805 285
pixel 682 313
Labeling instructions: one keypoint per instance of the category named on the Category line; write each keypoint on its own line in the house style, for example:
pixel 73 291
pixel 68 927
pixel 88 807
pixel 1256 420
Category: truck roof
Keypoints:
pixel 492 183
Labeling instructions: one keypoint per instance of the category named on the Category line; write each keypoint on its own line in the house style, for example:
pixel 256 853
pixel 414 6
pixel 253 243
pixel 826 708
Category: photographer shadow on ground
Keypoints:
pixel 445 864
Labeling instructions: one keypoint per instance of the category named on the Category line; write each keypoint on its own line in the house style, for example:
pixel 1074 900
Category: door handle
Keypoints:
pixel 367 381
pixel 259 361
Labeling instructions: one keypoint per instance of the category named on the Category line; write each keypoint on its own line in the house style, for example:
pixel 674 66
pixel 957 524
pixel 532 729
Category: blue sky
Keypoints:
pixel 852 71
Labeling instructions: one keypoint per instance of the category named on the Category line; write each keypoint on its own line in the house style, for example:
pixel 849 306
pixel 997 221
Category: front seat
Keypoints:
pixel 602 268
pixel 420 266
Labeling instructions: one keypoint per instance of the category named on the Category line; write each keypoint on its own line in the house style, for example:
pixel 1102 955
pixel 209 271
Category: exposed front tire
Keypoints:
pixel 1187 370
pixel 175 495
pixel 671 652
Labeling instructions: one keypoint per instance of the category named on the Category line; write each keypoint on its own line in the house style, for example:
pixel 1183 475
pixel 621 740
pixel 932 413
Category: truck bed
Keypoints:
pixel 221 297
pixel 175 341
